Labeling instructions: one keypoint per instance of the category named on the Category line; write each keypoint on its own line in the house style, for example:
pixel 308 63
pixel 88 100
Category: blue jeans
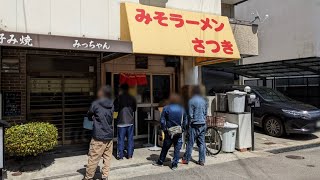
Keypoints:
pixel 196 133
pixel 177 142
pixel 124 132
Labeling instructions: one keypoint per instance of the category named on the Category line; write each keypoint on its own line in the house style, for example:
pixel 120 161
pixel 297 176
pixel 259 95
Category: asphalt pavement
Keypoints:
pixel 305 165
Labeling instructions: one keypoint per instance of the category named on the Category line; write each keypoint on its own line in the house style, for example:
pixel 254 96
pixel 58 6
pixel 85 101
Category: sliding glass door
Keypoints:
pixel 149 96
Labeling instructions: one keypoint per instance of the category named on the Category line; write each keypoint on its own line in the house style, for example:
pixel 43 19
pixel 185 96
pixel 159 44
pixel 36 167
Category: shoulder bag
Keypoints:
pixel 176 130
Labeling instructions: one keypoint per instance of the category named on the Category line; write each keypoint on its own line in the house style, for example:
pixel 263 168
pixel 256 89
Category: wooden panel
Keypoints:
pixel 127 64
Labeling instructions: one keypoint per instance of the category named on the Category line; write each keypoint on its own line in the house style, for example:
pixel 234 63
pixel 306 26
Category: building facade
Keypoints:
pixel 55 54
pixel 289 39
pixel 283 34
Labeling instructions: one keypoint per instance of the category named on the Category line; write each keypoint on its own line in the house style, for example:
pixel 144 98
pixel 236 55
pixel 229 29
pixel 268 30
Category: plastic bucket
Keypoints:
pixel 229 135
pixel 236 101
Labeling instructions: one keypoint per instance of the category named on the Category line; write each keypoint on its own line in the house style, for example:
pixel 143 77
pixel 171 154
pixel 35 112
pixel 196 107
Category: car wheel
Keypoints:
pixel 273 127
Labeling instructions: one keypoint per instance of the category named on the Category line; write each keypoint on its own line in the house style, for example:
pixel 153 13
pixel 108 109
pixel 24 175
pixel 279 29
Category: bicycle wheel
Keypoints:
pixel 213 141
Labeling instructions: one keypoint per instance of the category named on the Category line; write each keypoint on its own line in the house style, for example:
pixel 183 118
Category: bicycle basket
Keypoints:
pixel 216 121
pixel 220 120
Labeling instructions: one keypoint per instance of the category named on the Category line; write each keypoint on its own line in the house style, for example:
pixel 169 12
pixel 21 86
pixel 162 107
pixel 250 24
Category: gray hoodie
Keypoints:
pixel 101 112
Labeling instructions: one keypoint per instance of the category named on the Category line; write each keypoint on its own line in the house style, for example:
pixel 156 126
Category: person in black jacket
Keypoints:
pixel 125 105
pixel 101 145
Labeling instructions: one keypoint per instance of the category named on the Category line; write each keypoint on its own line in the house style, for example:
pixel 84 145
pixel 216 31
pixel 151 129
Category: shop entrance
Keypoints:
pixel 61 96
pixel 149 96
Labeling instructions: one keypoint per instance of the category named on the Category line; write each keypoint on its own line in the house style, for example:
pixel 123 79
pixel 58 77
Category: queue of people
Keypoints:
pixel 175 119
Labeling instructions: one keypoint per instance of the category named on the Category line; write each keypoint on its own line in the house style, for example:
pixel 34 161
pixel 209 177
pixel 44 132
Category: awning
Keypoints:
pixel 285 68
pixel 164 31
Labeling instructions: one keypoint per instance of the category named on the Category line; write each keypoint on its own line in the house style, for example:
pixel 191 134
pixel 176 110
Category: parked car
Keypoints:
pixel 279 114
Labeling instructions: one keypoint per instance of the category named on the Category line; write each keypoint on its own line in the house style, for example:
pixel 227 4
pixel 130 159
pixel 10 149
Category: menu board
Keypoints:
pixel 11 103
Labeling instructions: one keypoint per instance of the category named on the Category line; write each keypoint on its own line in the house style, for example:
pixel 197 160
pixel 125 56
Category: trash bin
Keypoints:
pixel 229 134
pixel 236 101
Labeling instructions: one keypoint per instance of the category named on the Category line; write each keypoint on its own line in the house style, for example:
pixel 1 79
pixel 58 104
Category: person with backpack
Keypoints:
pixel 173 122
pixel 101 145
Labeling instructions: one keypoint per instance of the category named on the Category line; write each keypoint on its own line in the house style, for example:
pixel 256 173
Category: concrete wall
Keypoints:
pixel 205 6
pixel 191 73
pixel 88 18
pixel 316 24
pixel 247 39
pixel 292 30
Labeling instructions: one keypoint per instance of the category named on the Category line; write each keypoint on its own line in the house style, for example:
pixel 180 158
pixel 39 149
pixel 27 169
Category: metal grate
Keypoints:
pixel 62 102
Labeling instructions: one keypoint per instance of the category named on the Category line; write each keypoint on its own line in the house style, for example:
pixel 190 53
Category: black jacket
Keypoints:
pixel 125 105
pixel 101 112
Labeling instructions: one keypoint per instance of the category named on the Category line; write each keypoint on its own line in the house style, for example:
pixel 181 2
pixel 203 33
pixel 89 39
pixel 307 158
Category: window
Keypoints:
pixel 141 62
pixel 10 65
pixel 272 95
pixel 143 113
pixel 144 92
pixel 161 87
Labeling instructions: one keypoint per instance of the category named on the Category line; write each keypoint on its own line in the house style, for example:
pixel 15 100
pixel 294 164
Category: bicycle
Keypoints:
pixel 213 138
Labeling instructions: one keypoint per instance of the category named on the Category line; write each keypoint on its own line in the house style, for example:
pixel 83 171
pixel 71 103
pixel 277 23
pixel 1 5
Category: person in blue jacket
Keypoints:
pixel 172 115
pixel 197 108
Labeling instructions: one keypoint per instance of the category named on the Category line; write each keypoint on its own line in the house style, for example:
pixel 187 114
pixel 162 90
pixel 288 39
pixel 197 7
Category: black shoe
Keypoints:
pixel 129 157
pixel 105 178
pixel 201 163
pixel 157 163
pixel 174 167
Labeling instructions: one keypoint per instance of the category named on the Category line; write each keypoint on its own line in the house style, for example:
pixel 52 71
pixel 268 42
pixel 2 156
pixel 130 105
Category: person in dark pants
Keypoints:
pixel 172 115
pixel 125 105
pixel 197 126
pixel 101 145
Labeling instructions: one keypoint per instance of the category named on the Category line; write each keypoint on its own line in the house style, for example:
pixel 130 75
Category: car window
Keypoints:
pixel 272 95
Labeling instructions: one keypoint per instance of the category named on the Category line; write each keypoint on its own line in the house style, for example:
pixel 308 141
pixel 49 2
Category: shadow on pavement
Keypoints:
pixel 301 137
pixel 154 157
pixel 98 174
pixel 28 164
pixel 297 137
